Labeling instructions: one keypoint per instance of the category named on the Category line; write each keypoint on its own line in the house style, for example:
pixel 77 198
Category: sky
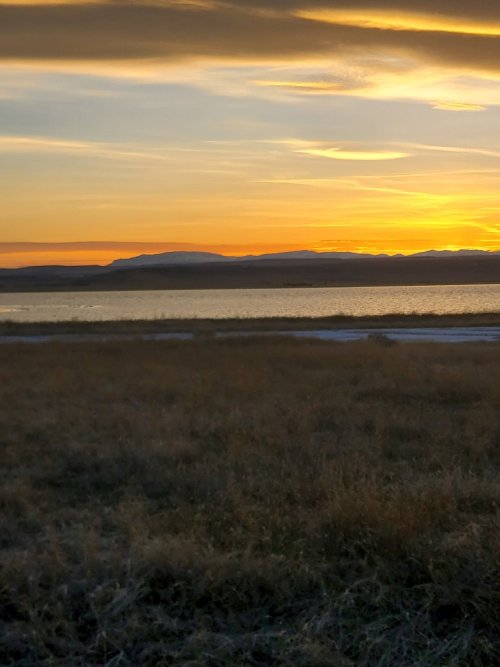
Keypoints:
pixel 237 126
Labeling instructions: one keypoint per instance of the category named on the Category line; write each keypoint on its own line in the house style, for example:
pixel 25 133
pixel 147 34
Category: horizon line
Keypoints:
pixel 28 247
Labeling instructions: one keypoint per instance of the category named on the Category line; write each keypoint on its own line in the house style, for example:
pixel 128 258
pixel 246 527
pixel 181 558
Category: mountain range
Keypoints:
pixel 305 268
pixel 180 257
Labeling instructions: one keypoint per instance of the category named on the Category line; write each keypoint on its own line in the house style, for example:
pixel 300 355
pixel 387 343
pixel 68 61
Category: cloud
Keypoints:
pixel 12 247
pixel 379 77
pixel 362 156
pixel 479 11
pixel 458 106
pixel 486 152
pixel 391 150
pixel 313 87
pixel 383 19
pixel 29 144
pixel 11 143
pixel 464 35
pixel 358 185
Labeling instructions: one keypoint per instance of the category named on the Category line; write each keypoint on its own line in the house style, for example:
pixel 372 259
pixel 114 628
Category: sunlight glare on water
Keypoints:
pixel 222 304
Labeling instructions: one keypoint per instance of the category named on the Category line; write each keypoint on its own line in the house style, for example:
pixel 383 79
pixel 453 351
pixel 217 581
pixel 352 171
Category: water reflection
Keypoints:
pixel 222 304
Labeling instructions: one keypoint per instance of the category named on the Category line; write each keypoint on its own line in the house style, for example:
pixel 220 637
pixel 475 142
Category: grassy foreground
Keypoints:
pixel 249 502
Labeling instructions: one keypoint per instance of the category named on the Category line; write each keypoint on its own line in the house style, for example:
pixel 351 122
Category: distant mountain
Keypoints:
pixel 179 257
pixel 183 261
pixel 294 254
pixel 296 269
pixel 164 258
pixel 306 254
pixel 453 253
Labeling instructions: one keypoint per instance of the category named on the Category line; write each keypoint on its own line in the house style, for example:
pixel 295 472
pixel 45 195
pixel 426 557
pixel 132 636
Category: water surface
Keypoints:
pixel 255 303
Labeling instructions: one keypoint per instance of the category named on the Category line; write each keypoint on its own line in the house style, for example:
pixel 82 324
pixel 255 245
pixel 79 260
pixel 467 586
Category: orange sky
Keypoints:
pixel 247 127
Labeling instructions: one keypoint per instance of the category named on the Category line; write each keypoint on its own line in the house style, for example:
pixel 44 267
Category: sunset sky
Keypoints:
pixel 132 126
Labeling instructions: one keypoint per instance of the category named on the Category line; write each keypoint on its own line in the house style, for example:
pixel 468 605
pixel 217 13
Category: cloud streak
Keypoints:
pixel 361 156
pixel 29 144
pixel 274 31
pixel 402 21
pixel 458 106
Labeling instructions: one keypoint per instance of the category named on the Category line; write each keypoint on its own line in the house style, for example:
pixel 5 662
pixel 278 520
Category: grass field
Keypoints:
pixel 250 502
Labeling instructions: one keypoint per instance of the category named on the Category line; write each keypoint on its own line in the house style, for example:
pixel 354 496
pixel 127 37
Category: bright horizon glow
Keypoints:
pixel 101 255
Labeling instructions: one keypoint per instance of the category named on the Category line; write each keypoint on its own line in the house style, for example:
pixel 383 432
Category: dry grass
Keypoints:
pixel 250 502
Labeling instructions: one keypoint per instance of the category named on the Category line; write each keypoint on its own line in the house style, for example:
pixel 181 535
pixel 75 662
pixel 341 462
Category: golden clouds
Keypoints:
pixel 338 153
pixel 384 19
pixel 458 106
pixel 293 190
pixel 274 32
pixel 315 87
pixel 92 149
pixel 19 143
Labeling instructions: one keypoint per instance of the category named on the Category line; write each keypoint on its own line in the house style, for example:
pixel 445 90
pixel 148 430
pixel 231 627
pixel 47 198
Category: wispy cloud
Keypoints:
pixel 22 144
pixel 402 19
pixel 470 150
pixel 337 153
pixel 458 106
pixel 382 78
pixel 314 87
pixel 357 184
pixel 65 246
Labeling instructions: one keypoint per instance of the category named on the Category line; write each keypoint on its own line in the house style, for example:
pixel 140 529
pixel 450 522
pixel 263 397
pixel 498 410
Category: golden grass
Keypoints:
pixel 249 502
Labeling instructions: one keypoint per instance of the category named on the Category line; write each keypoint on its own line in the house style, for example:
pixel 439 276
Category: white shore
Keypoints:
pixel 421 334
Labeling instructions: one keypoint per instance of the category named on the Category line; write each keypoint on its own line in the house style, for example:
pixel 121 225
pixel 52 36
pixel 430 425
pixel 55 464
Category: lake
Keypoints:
pixel 221 304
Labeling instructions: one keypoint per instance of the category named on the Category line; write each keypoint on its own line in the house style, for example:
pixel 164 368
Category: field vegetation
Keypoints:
pixel 250 502
pixel 251 325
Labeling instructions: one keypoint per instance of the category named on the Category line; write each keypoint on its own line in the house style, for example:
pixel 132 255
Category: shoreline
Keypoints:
pixel 348 284
pixel 381 336
pixel 201 328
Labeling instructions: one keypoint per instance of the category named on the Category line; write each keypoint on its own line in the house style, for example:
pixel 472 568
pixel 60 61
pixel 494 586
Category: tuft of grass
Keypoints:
pixel 249 502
